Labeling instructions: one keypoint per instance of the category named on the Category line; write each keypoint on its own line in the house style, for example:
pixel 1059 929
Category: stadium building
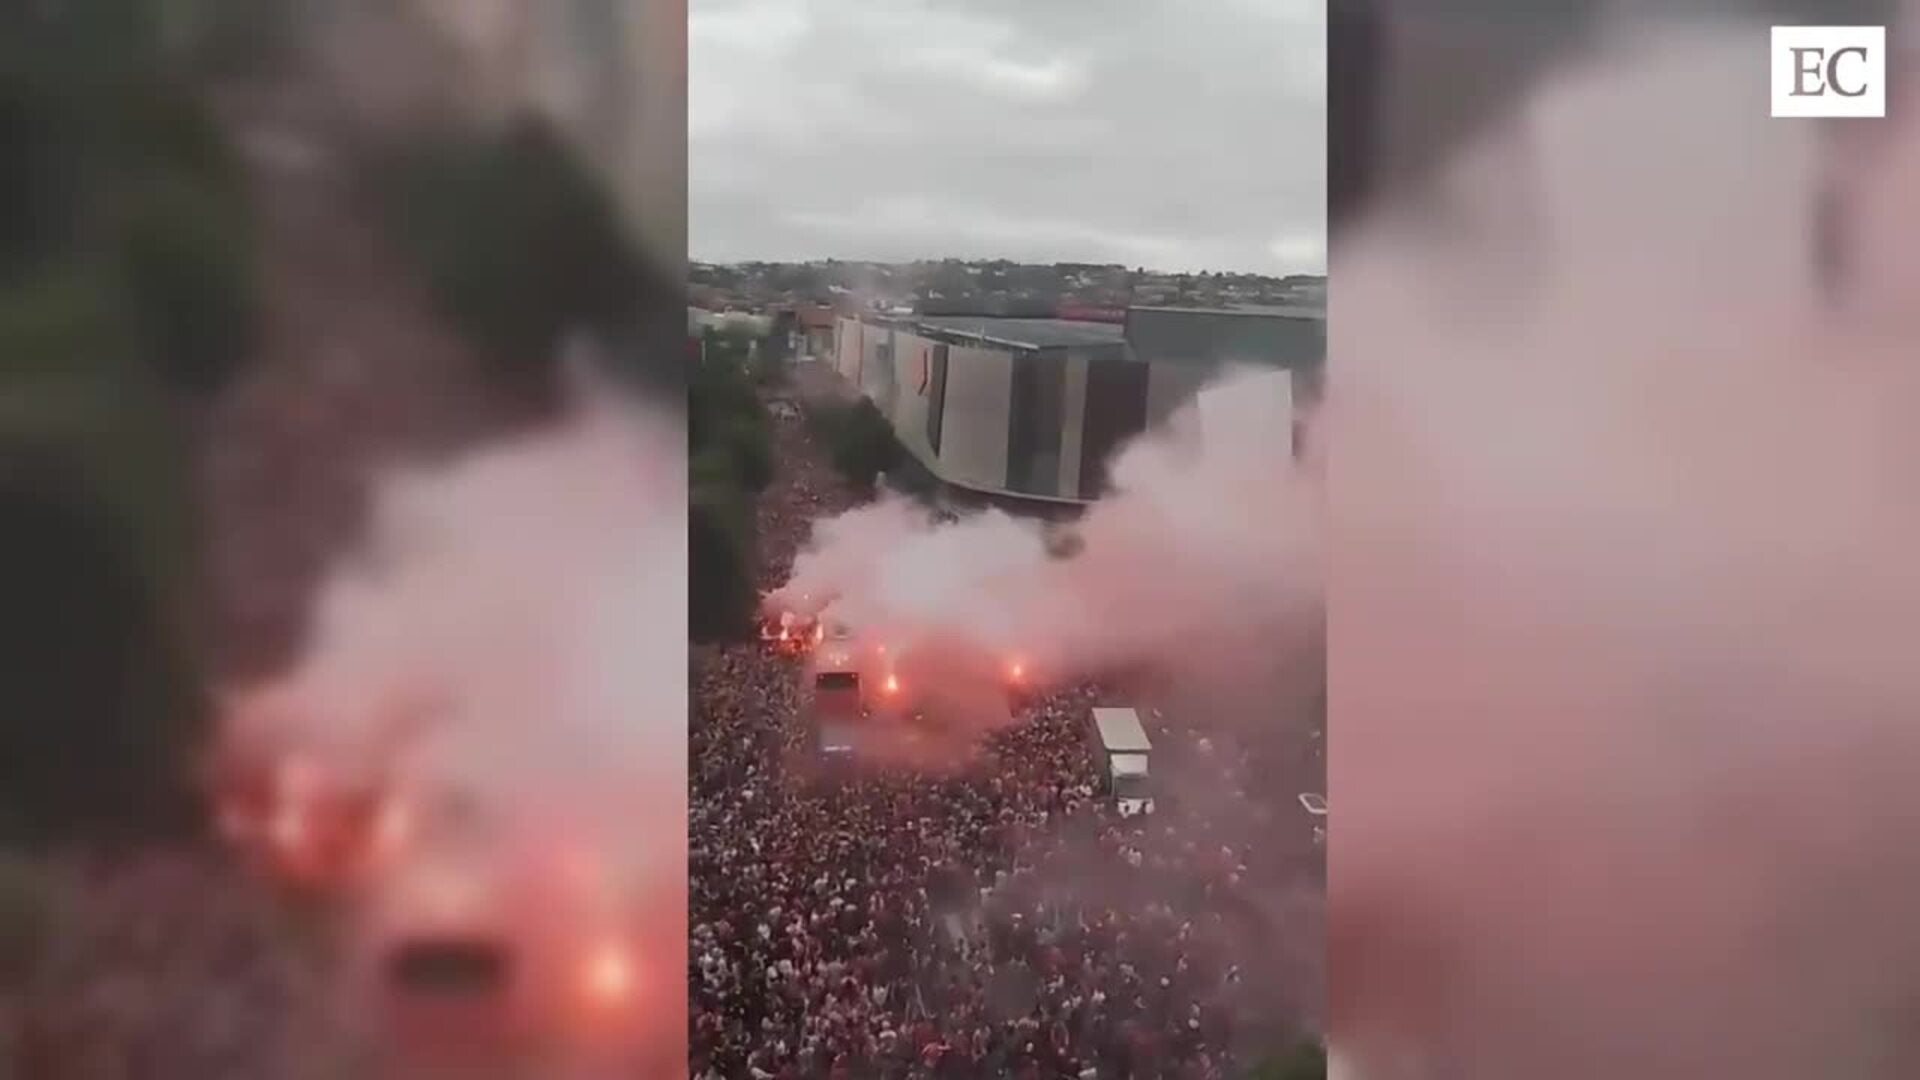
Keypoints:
pixel 1033 408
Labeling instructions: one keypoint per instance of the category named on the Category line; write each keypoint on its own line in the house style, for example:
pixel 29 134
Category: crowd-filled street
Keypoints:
pixel 995 918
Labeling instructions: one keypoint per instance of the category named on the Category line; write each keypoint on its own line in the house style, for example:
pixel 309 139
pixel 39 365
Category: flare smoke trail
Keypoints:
pixel 1623 662
pixel 1205 557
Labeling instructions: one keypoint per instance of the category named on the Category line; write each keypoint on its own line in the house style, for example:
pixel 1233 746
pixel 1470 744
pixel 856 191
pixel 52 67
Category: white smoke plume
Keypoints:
pixel 1205 556
pixel 1622 632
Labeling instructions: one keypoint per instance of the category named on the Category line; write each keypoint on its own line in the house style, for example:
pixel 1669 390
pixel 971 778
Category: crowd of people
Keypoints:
pixel 175 965
pixel 993 918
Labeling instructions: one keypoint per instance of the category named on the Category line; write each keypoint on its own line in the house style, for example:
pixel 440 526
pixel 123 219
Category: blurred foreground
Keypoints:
pixel 232 300
pixel 1623 529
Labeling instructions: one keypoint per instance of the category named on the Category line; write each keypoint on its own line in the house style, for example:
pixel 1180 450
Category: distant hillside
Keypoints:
pixel 986 283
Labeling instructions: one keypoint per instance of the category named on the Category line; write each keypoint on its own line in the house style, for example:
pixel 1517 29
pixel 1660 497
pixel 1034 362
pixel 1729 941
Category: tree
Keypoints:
pixel 40 201
pixel 732 344
pixel 188 261
pixel 113 158
pixel 727 417
pixel 770 356
pixel 520 244
pixel 1307 1061
pixel 99 719
pixel 748 445
pixel 859 441
pixel 84 46
pixel 730 460
pixel 100 715
pixel 27 905
pixel 721 553
pixel 233 37
pixel 126 272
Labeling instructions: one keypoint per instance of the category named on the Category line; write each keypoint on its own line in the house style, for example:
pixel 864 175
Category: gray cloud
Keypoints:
pixel 1179 134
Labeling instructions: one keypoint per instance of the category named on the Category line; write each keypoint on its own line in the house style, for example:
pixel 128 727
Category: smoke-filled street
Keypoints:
pixel 254 559
pixel 994 916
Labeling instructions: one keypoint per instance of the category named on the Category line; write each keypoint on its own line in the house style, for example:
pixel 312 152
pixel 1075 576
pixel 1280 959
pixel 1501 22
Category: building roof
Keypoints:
pixel 1025 333
pixel 1271 311
pixel 1294 338
pixel 838 735
pixel 1121 730
pixel 815 318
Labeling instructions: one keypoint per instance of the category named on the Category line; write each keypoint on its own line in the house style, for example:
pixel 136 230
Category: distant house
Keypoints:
pixel 813 332
pixel 700 320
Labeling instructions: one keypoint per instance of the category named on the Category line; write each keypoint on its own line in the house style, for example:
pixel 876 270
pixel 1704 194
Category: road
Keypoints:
pixel 990 915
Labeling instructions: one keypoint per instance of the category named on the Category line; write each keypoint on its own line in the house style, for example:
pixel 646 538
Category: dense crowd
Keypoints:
pixel 994 919
pixel 174 965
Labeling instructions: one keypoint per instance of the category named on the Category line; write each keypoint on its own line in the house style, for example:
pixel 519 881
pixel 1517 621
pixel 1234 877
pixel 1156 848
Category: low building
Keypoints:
pixel 1034 408
pixel 1203 342
pixel 730 322
pixel 813 332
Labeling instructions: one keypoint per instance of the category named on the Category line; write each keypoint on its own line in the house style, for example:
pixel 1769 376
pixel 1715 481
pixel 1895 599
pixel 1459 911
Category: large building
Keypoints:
pixel 1034 408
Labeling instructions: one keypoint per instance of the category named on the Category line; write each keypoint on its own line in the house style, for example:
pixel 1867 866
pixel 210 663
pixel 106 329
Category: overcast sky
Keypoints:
pixel 1174 134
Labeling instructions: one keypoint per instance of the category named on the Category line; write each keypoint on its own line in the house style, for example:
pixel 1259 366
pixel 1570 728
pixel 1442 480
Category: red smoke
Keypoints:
pixel 1623 614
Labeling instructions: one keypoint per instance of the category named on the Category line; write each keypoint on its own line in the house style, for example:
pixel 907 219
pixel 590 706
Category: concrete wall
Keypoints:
pixel 973 438
pixel 1214 338
pixel 1171 385
pixel 978 407
pixel 846 349
pixel 878 379
pixel 1072 424
pixel 912 364
pixel 1187 349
